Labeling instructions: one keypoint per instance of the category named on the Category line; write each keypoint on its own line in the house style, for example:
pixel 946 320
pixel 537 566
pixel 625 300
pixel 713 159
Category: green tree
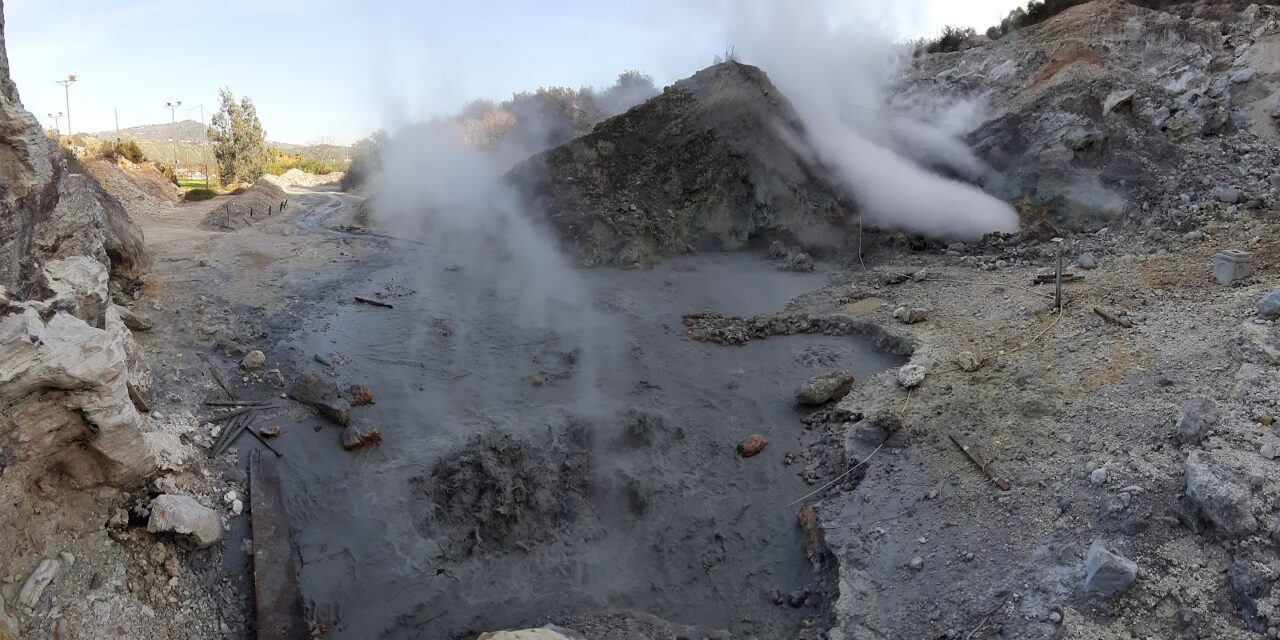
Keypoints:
pixel 239 142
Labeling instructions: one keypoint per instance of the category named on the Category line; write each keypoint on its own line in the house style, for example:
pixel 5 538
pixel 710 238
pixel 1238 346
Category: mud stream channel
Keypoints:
pixel 529 471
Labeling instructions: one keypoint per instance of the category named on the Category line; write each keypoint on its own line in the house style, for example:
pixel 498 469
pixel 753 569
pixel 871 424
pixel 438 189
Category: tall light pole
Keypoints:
pixel 173 122
pixel 56 116
pixel 203 143
pixel 66 90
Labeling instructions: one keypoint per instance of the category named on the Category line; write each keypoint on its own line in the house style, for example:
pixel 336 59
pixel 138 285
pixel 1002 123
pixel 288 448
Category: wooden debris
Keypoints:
pixel 1051 278
pixel 1112 318
pixel 374 303
pixel 277 598
pixel 222 382
pixel 240 425
pixel 977 459
pixel 263 440
pixel 235 412
pixel 136 398
pixel 236 403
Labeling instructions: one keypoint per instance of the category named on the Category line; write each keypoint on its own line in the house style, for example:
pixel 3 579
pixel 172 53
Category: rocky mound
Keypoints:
pixel 298 178
pixel 1109 107
pixel 498 493
pixel 260 201
pixel 706 165
pixel 141 188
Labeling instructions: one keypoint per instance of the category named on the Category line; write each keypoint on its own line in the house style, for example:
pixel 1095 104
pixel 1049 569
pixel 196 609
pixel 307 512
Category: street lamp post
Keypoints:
pixel 173 123
pixel 56 117
pixel 66 90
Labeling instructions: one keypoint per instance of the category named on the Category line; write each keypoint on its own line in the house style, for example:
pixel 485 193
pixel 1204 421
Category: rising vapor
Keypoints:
pixel 837 73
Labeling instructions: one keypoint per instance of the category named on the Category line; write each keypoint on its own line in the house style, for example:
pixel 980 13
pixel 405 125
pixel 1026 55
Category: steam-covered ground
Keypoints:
pixel 527 473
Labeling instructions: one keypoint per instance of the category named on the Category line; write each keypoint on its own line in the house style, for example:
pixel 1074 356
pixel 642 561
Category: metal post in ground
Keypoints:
pixel 66 90
pixel 1057 295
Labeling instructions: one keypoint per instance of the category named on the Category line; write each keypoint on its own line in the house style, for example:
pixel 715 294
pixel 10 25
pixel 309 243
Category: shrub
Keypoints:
pixel 196 195
pixel 279 162
pixel 169 173
pixel 127 149
pixel 952 39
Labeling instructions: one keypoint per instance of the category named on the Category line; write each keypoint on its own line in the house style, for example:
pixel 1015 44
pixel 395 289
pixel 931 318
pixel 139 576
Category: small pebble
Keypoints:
pixel 917 563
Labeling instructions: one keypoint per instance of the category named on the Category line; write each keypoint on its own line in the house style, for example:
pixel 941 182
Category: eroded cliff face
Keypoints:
pixel 66 360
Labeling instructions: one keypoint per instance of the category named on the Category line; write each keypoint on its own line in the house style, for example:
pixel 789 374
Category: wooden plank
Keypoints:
pixel 1113 318
pixel 983 465
pixel 277 598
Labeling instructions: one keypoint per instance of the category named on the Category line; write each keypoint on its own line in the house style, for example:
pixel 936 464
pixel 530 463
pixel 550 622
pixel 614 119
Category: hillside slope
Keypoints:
pixel 706 165
pixel 1110 107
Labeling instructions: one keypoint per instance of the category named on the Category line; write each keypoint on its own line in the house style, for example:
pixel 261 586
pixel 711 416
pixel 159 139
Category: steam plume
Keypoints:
pixel 838 76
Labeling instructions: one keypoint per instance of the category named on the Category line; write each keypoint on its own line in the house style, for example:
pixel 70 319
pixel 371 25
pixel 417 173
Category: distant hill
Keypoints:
pixel 187 130
pixel 193 141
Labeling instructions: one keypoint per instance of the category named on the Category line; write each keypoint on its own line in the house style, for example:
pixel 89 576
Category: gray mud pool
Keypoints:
pixel 544 460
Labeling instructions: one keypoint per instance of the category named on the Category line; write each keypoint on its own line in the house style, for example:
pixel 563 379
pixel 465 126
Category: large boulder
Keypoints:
pixel 1197 417
pixel 824 388
pixel 1219 489
pixel 1269 305
pixel 706 165
pixel 1108 573
pixel 185 517
pixel 322 393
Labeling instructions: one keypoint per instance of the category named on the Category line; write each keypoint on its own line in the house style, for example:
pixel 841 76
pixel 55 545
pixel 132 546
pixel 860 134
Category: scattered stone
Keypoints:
pixel 917 563
pixel 1218 493
pixel 1196 418
pixel 184 516
pixel 1098 477
pixel 1269 306
pixel 1268 451
pixel 1087 261
pixel 798 261
pixel 911 375
pixel 253 360
pixel 321 393
pixel 361 396
pixel 545 633
pixel 272 431
pixel 8 626
pixel 1230 195
pixel 920 276
pixel 753 445
pixel 1266 420
pixel 35 585
pixel 1107 573
pixel 134 320
pixel 357 435
pixel 910 316
pixel 825 388
pixel 969 361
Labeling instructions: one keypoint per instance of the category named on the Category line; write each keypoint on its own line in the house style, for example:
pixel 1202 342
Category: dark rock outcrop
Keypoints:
pixel 709 164
pixel 47 210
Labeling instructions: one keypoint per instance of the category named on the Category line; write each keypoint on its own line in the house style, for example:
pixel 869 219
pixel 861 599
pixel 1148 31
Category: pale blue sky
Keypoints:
pixel 335 70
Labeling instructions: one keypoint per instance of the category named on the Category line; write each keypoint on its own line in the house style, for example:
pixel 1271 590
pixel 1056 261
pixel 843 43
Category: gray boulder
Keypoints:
pixel 824 388
pixel 1196 418
pixel 1220 493
pixel 1269 306
pixel 186 517
pixel 1087 261
pixel 322 393
pixel 1230 195
pixel 1107 573
pixel 135 320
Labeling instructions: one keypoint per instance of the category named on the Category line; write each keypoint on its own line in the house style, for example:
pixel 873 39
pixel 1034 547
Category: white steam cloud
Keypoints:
pixel 838 74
